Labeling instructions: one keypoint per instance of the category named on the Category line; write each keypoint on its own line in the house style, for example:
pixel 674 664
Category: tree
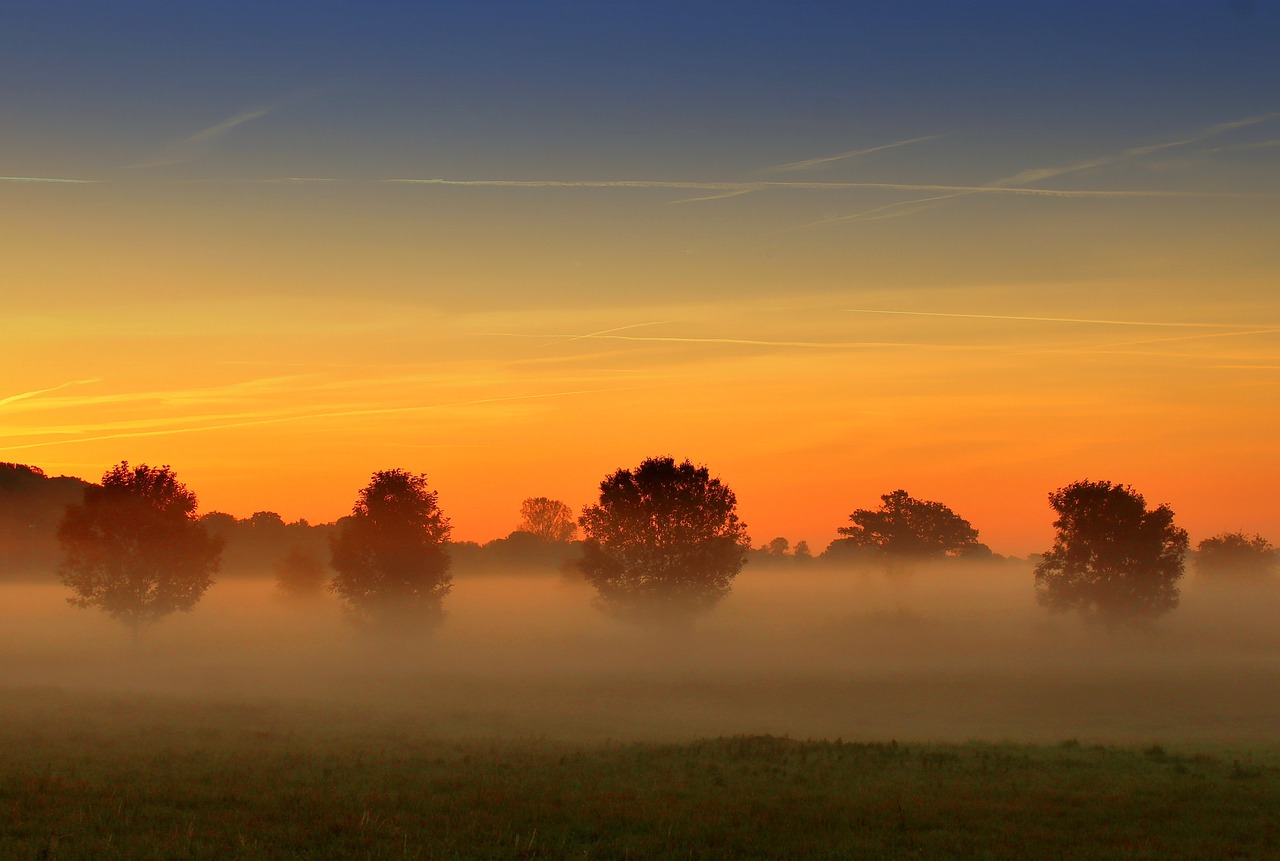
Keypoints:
pixel 905 526
pixel 778 547
pixel 134 547
pixel 1112 558
pixel 549 519
pixel 300 574
pixel 663 539
pixel 390 556
pixel 1234 554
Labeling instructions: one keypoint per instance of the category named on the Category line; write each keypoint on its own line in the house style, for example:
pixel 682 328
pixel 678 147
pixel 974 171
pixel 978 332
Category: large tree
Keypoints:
pixel 663 539
pixel 134 547
pixel 906 526
pixel 1112 559
pixel 390 556
pixel 549 519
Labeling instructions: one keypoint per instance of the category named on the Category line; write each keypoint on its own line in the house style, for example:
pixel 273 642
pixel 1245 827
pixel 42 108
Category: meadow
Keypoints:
pixel 816 713
pixel 130 777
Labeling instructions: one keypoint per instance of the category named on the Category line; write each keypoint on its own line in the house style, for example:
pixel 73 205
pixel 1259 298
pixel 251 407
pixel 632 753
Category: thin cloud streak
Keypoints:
pixel 37 392
pixel 53 179
pixel 810 163
pixel 744 187
pixel 752 342
pixel 1177 325
pixel 611 331
pixel 372 411
pixel 1246 146
pixel 1038 174
pixel 201 143
pixel 725 196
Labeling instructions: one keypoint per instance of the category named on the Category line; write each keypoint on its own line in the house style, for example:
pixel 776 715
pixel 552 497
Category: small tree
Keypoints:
pixel 300 574
pixel 778 547
pixel 549 519
pixel 1112 559
pixel 390 556
pixel 1234 554
pixel 134 547
pixel 663 539
pixel 905 526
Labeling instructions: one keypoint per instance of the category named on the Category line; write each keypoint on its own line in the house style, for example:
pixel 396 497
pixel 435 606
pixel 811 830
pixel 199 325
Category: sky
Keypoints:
pixel 973 250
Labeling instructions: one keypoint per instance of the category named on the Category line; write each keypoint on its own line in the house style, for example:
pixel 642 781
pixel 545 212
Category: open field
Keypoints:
pixel 529 724
pixel 136 777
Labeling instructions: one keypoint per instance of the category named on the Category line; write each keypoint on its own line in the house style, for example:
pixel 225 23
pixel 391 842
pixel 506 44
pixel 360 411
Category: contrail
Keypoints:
pixel 815 162
pixel 32 394
pixel 1062 319
pixel 311 416
pixel 725 196
pixel 1038 174
pixel 752 342
pixel 609 331
pixel 47 179
pixel 200 143
pixel 1238 147
pixel 743 187
pixel 873 214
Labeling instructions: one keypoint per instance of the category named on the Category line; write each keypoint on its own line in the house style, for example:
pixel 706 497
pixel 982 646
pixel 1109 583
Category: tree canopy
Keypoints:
pixel 549 519
pixel 134 547
pixel 1112 558
pixel 1237 555
pixel 906 526
pixel 390 556
pixel 663 538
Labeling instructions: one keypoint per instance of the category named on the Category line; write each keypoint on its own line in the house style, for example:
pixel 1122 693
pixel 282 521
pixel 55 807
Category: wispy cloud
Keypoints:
pixel 313 416
pixel 1042 173
pixel 48 179
pixel 811 163
pixel 1245 146
pixel 201 143
pixel 1031 175
pixel 37 392
pixel 1089 321
pixel 603 332
pixel 750 342
pixel 743 187
pixel 723 196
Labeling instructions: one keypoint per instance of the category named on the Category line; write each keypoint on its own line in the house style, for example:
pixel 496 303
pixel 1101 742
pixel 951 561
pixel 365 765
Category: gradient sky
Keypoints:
pixel 975 250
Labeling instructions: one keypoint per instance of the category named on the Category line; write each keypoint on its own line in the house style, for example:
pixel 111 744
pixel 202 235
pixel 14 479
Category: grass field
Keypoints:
pixel 129 776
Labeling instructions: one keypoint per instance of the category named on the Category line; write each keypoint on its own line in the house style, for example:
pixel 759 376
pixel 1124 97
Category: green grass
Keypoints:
pixel 130 777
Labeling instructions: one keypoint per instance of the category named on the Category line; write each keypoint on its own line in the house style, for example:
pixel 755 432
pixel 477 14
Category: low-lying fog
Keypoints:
pixel 944 653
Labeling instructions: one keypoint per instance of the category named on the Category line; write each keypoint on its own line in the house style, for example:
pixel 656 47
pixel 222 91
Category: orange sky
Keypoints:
pixel 246 291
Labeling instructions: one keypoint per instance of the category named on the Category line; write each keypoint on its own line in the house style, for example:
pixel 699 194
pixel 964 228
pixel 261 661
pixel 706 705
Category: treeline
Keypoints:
pixel 663 539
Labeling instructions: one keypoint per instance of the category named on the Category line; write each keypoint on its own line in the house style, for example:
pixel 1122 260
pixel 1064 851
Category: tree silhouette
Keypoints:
pixel 134 547
pixel 1112 559
pixel 1234 554
pixel 390 557
pixel 664 539
pixel 905 526
pixel 549 519
pixel 300 574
